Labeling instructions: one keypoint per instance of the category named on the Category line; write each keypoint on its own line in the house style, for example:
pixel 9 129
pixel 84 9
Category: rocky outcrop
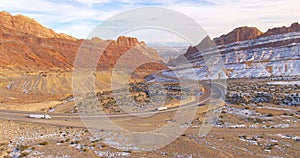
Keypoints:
pixel 238 34
pixel 21 25
pixel 295 27
pixel 128 46
pixel 205 44
pixel 128 42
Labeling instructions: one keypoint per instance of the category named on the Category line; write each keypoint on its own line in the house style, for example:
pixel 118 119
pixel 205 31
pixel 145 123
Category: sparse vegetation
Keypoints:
pixel 270 115
pixel 43 143
pixel 24 154
pixel 22 147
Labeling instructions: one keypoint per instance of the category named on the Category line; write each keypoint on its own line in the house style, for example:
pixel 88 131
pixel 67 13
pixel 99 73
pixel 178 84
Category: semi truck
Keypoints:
pixel 39 116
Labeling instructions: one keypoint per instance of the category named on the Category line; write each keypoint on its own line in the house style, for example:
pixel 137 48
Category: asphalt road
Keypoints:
pixel 74 120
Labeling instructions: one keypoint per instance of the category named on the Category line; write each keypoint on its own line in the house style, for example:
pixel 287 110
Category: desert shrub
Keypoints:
pixel 127 151
pixel 43 143
pixel 24 154
pixel 22 147
pixel 254 139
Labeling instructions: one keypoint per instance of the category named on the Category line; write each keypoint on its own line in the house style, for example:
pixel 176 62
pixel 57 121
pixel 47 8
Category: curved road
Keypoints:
pixel 74 120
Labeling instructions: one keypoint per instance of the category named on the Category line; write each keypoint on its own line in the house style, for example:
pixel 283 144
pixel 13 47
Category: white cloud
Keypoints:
pixel 225 16
pixel 93 1
pixel 62 17
pixel 221 16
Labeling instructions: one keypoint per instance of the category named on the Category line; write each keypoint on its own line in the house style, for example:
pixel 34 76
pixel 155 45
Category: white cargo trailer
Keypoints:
pixel 162 108
pixel 39 116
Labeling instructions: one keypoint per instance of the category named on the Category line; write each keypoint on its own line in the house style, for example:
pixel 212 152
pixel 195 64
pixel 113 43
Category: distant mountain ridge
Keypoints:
pixel 245 33
pixel 295 27
pixel 246 53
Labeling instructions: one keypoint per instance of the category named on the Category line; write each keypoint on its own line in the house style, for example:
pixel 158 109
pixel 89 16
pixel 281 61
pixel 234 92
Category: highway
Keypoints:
pixel 74 120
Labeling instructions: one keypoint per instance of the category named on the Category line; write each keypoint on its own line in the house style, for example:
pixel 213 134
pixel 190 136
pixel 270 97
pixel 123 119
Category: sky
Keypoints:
pixel 79 17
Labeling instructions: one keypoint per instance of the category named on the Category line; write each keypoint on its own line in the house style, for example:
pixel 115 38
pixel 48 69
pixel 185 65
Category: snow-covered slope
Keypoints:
pixel 276 55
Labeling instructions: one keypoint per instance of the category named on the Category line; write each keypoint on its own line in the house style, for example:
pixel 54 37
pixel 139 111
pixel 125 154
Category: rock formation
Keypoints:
pixel 295 27
pixel 22 25
pixel 238 34
pixel 248 33
pixel 26 45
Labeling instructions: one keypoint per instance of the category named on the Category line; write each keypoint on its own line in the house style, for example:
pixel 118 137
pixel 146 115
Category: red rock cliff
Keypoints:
pixel 238 34
pixel 27 45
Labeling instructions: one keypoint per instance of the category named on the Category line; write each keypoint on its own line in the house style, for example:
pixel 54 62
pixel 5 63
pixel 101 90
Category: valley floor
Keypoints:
pixel 274 132
pixel 250 124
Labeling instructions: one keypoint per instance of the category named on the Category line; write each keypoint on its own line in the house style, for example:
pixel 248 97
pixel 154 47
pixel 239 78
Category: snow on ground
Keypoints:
pixel 112 154
pixel 283 82
pixel 238 111
pixel 242 60
pixel 275 108
pixel 293 137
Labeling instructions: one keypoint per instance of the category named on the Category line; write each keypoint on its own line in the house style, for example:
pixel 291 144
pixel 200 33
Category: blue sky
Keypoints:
pixel 79 17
